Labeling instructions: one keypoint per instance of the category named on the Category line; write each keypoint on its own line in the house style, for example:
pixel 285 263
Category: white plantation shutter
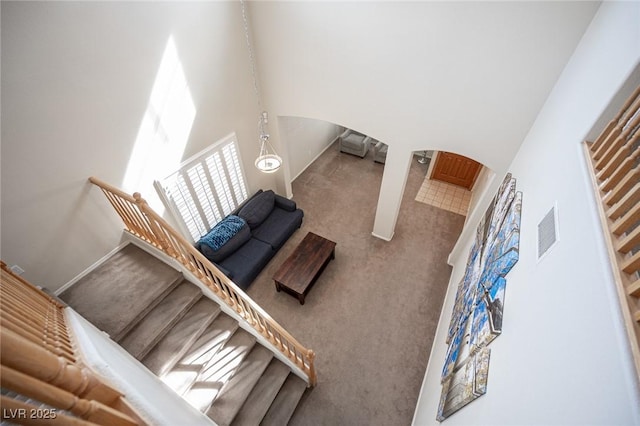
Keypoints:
pixel 206 188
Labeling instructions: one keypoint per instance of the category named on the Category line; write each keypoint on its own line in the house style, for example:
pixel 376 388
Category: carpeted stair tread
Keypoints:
pixel 180 378
pixel 144 336
pixel 286 402
pixel 234 393
pixel 262 395
pixel 210 342
pixel 186 371
pixel 119 292
pixel 178 340
pixel 219 370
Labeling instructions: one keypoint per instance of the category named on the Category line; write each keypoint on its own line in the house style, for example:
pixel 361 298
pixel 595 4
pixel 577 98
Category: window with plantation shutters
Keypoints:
pixel 206 188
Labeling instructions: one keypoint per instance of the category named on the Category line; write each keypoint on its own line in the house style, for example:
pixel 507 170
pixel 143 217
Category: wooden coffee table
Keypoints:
pixel 300 271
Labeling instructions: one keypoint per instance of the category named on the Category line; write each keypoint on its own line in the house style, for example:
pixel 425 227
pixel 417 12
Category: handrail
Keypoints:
pixel 141 221
pixel 39 360
pixel 615 174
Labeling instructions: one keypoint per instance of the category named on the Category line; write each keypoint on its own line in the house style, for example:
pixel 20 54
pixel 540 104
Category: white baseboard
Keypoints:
pixel 383 238
pixel 315 158
pixel 86 272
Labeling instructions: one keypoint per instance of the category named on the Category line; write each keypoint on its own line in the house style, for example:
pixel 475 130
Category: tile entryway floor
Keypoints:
pixel 445 196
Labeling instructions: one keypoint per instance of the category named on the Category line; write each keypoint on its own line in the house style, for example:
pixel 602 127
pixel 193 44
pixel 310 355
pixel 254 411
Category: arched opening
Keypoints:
pixel 318 153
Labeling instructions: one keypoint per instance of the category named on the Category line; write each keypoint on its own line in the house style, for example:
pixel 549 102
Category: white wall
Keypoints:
pixel 480 190
pixel 464 77
pixel 76 81
pixel 305 140
pixel 563 357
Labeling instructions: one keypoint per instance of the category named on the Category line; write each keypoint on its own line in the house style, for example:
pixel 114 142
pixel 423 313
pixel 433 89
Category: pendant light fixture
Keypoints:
pixel 268 160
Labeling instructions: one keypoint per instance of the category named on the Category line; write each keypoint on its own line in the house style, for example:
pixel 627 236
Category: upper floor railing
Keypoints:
pixel 614 159
pixel 141 221
pixel 42 374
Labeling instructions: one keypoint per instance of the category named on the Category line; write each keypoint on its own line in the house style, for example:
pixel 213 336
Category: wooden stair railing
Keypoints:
pixel 141 221
pixel 39 361
pixel 614 160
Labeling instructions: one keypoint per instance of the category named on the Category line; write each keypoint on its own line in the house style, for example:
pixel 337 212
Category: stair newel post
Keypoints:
pixel 311 356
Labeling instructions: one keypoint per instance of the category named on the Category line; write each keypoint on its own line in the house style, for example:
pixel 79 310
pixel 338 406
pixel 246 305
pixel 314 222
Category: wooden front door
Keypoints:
pixel 456 169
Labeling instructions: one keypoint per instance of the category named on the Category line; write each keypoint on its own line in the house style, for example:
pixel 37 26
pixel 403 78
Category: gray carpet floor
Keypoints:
pixel 372 315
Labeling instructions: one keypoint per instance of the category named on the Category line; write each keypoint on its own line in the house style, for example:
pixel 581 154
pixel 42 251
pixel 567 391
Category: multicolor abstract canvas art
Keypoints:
pixel 466 384
pixel 477 315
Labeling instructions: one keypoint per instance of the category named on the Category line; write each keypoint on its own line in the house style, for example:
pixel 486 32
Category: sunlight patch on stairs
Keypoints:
pixel 181 378
pixel 223 367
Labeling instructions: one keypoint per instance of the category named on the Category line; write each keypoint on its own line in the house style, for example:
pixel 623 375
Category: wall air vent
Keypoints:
pixel 548 232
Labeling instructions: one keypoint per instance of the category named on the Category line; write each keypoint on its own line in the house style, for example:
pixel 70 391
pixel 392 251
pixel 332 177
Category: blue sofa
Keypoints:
pixel 242 251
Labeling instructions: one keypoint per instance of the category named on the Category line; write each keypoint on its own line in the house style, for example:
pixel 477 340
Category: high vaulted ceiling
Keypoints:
pixel 467 77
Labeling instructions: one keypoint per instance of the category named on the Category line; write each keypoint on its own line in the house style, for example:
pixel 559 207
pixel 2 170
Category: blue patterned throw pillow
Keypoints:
pixel 223 232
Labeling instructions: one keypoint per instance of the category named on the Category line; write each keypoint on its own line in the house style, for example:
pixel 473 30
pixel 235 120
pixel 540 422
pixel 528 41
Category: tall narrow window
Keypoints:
pixel 205 188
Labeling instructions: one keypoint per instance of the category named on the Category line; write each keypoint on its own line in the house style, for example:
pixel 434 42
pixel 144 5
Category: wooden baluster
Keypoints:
pixel 621 207
pixel 621 116
pixel 131 218
pixel 228 294
pixel 249 313
pixel 267 333
pixel 215 286
pixel 631 240
pixel 625 151
pixel 625 222
pixel 632 264
pixel 29 358
pixel 36 338
pixel 623 186
pixel 281 341
pixel 239 309
pixel 192 264
pixel 612 148
pixel 245 312
pixel 620 173
pixel 157 237
pixel 256 319
pixel 92 411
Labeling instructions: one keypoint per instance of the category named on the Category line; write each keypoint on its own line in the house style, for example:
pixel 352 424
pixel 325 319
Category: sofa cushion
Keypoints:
pixel 247 262
pixel 225 238
pixel 278 227
pixel 285 203
pixel 258 208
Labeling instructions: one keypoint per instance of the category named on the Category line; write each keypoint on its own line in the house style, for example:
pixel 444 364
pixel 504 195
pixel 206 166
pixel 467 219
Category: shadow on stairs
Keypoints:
pixel 184 338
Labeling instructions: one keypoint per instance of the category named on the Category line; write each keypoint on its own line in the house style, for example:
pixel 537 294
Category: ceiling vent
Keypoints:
pixel 548 232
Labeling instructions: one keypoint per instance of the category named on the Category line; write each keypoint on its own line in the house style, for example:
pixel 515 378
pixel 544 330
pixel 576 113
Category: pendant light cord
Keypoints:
pixel 268 160
pixel 251 57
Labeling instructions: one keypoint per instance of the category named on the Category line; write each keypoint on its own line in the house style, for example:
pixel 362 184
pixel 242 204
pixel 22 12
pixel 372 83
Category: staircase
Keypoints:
pixel 184 338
